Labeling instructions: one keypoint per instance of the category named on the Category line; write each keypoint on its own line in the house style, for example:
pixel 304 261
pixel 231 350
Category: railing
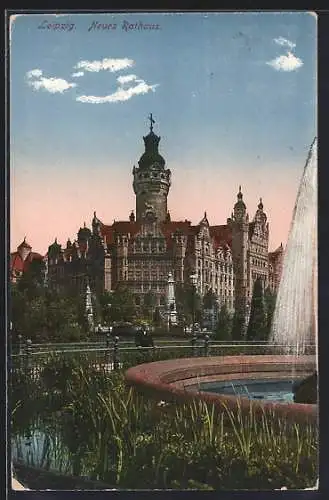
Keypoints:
pixel 114 354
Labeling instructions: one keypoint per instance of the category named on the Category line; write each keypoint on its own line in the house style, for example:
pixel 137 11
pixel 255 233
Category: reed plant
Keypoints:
pixel 110 433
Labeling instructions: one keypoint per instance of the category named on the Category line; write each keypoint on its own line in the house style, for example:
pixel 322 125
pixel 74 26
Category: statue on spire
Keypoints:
pixel 152 121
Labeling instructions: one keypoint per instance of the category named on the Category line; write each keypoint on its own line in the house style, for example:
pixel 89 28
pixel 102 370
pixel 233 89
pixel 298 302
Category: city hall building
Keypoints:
pixel 141 251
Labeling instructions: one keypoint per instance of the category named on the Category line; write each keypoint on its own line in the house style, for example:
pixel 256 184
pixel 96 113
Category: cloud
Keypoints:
pixel 126 79
pixel 34 73
pixel 284 42
pixel 287 62
pixel 119 95
pixel 52 85
pixel 78 74
pixel 105 64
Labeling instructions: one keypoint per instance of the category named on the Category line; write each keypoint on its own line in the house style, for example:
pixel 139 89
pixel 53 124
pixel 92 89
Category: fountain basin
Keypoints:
pixel 177 381
pixel 280 390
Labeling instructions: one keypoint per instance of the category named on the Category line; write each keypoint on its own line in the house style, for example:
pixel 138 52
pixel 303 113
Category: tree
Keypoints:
pixel 104 303
pixel 32 280
pixel 188 301
pixel 123 306
pixel 149 304
pixel 157 319
pixel 270 300
pixel 209 300
pixel 43 314
pixel 238 326
pixel 257 327
pixel 26 301
pixel 224 325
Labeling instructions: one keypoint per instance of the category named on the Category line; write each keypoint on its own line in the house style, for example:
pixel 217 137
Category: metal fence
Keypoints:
pixel 113 354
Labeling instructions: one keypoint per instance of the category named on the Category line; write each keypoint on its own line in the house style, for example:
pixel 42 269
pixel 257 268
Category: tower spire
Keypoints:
pixel 152 121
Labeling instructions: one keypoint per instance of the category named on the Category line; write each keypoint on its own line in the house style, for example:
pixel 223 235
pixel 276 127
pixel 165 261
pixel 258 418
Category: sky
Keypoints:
pixel 233 96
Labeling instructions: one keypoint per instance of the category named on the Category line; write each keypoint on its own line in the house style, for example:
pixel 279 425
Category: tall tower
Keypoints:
pixel 240 234
pixel 151 180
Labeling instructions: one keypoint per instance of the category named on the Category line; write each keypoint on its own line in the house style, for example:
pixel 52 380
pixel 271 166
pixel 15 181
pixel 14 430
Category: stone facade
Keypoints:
pixel 142 251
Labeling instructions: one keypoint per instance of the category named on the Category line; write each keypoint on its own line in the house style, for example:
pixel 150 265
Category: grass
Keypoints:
pixel 107 432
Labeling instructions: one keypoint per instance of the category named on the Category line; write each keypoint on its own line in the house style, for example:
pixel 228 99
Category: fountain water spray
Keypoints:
pixel 295 317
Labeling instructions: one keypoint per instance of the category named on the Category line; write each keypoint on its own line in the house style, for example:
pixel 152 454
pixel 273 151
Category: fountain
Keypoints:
pixel 295 316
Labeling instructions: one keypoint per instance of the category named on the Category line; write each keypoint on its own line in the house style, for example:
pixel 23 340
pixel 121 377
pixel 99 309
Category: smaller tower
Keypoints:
pixel 96 225
pixel 84 233
pixel 240 210
pixel 24 249
pixel 54 252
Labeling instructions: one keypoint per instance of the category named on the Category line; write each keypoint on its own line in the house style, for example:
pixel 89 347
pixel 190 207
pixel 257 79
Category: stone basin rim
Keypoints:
pixel 163 380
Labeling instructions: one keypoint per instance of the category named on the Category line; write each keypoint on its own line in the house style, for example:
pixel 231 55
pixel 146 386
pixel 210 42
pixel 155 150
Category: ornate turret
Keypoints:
pixel 240 208
pixel 24 249
pixel 204 220
pixel 260 216
pixel 96 225
pixel 84 233
pixel 54 249
pixel 151 180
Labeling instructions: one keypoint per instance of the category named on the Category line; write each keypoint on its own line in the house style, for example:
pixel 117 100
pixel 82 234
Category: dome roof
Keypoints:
pixel 151 154
pixel 54 247
pixel 240 203
pixel 84 233
pixel 24 244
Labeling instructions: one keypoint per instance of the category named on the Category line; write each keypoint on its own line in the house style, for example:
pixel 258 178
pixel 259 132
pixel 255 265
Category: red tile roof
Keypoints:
pixel 32 256
pixel 17 263
pixel 222 235
pixel 119 227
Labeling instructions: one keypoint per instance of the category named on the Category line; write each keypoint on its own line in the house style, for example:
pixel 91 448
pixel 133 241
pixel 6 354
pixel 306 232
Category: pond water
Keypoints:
pixel 268 390
pixel 41 449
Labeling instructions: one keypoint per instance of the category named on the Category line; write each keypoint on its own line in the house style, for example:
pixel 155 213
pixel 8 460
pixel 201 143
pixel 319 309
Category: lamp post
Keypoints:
pixel 247 314
pixel 193 279
pixel 216 315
